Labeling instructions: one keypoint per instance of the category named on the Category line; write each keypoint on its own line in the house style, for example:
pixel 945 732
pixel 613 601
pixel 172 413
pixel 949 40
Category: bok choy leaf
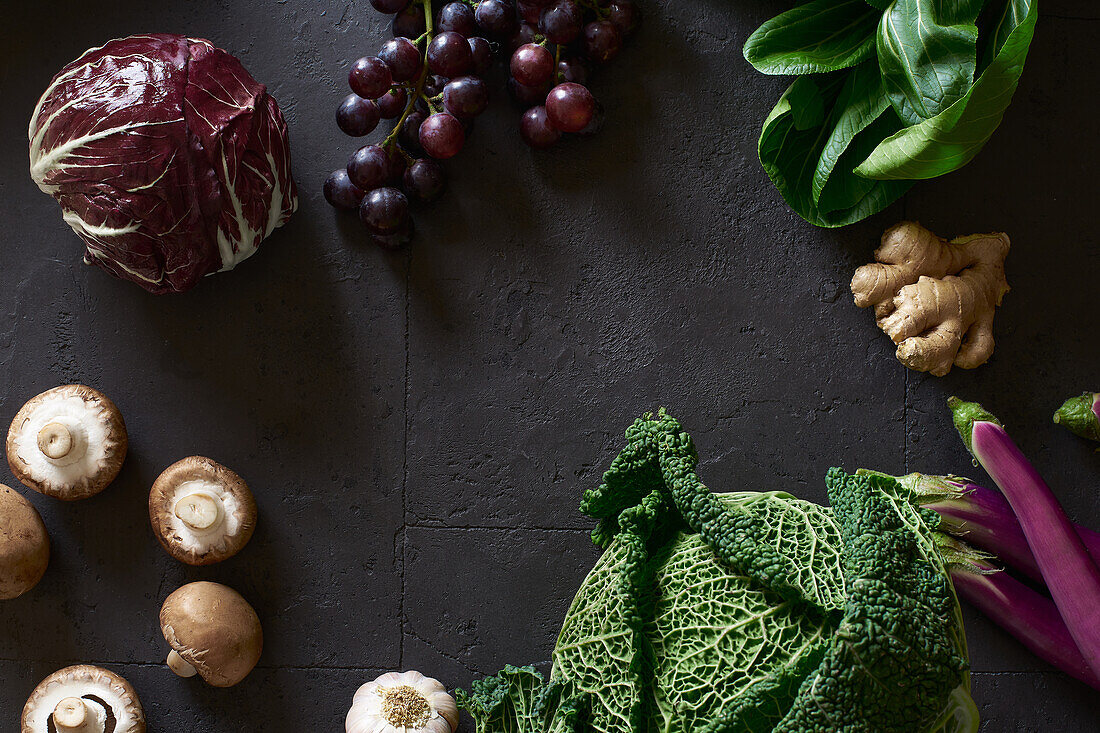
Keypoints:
pixel 822 35
pixel 810 157
pixel 952 138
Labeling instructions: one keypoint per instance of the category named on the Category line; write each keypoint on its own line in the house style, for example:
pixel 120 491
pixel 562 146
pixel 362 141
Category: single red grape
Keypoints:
pixel 496 17
pixel 624 14
pixel 341 192
pixel 425 179
pixel 602 41
pixel 392 103
pixel 561 22
pixel 357 116
pixel 536 130
pixel 482 53
pixel 370 77
pixel 409 23
pixel 369 167
pixel 449 54
pixel 442 135
pixel 466 96
pixel 532 65
pixel 403 58
pixel 570 107
pixel 384 211
pixel 457 17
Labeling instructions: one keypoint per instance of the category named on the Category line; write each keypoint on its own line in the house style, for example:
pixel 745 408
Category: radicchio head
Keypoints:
pixel 168 159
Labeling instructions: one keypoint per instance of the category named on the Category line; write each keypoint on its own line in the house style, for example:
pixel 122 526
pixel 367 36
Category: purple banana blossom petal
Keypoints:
pixel 1070 574
pixel 1027 614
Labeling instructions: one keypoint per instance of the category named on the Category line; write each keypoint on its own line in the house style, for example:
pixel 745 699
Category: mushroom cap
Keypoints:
pixel 100 688
pixel 24 544
pixel 99 438
pixel 202 476
pixel 214 629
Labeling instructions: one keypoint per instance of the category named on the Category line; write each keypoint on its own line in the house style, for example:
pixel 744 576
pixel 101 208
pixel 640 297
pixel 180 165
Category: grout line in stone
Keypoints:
pixel 502 528
pixel 905 377
pixel 402 620
pixel 1066 17
pixel 905 423
pixel 1026 672
pixel 356 668
pixel 446 655
pixel 289 667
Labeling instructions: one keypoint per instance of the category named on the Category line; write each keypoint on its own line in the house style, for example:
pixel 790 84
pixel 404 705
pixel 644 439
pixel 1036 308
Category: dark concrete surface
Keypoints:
pixel 418 428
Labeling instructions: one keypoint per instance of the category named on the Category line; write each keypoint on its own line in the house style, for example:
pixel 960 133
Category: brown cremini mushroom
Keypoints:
pixel 213 632
pixel 68 442
pixel 24 545
pixel 83 699
pixel 201 512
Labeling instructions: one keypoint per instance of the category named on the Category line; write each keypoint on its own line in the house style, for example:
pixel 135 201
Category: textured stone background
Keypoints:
pixel 418 427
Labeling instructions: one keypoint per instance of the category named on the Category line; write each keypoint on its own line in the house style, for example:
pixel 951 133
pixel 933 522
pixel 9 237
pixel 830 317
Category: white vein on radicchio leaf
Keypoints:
pixel 168 159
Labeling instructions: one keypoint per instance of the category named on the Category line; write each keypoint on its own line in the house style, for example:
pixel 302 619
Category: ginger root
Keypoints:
pixel 935 299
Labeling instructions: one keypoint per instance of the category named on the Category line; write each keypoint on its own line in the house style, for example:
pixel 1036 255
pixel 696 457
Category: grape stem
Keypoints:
pixel 418 89
pixel 431 102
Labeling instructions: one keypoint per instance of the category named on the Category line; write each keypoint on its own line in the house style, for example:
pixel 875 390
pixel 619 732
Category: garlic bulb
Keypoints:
pixel 402 702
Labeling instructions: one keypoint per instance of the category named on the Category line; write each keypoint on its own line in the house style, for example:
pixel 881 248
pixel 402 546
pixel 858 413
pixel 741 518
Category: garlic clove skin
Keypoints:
pixel 402 702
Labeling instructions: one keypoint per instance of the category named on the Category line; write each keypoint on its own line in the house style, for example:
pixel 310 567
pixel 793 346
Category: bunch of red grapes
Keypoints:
pixel 428 79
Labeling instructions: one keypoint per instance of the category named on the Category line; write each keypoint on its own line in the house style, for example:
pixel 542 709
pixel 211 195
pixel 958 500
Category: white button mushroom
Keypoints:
pixel 402 702
pixel 201 512
pixel 83 699
pixel 68 442
pixel 213 632
pixel 24 545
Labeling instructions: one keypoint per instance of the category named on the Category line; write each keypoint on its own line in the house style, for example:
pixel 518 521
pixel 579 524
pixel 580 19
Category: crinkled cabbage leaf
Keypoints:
pixel 745 611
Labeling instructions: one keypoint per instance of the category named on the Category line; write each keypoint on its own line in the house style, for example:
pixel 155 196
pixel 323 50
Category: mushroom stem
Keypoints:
pixel 55 440
pixel 179 665
pixel 73 716
pixel 198 511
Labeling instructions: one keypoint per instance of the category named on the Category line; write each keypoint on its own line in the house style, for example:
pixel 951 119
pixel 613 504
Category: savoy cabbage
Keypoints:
pixel 745 612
